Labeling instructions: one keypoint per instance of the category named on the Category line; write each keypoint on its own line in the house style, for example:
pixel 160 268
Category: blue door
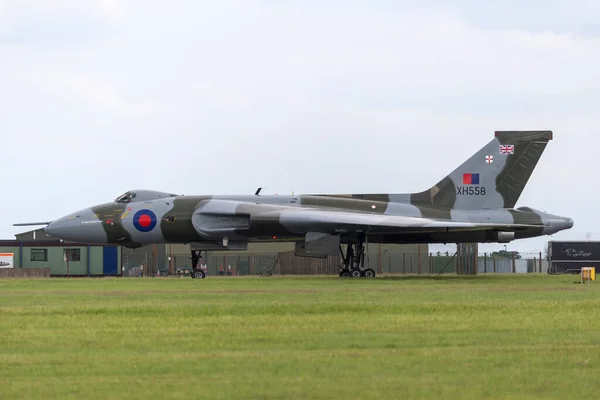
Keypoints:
pixel 110 257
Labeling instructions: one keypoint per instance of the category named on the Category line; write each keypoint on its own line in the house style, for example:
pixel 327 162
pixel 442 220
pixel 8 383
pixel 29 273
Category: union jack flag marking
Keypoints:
pixel 507 149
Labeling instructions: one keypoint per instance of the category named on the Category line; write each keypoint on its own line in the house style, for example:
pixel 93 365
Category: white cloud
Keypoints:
pixel 221 97
pixel 99 95
pixel 50 9
pixel 44 21
pixel 111 8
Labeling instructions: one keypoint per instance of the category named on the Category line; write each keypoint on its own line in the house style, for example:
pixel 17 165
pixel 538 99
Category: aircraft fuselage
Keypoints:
pixel 254 218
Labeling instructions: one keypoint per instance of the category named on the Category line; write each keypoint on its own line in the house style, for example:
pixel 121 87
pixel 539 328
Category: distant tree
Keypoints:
pixel 506 254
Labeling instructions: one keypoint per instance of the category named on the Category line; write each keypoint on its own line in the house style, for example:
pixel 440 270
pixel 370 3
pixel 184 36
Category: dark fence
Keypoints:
pixel 287 263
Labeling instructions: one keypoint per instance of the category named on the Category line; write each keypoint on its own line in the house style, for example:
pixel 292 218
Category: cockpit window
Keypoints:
pixel 125 197
pixel 142 195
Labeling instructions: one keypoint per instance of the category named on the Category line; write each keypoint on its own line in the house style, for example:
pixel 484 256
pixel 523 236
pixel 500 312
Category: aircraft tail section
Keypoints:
pixel 494 177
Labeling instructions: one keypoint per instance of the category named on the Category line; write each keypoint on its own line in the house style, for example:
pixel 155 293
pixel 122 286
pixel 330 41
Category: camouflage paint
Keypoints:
pixel 181 229
pixel 110 215
pixel 477 207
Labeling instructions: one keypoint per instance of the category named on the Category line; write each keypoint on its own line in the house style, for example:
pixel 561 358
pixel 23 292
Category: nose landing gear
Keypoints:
pixel 196 273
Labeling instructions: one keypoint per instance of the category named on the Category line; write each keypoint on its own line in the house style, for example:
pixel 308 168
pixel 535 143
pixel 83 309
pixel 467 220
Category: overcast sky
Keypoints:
pixel 220 97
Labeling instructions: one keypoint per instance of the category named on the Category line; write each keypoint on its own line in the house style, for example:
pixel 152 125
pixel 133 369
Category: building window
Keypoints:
pixel 39 254
pixel 72 254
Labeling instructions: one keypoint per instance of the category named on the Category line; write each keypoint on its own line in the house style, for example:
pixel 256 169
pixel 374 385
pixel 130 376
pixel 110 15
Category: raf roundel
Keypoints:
pixel 144 220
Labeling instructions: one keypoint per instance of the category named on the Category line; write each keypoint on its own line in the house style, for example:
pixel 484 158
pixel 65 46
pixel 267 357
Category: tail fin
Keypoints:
pixel 492 178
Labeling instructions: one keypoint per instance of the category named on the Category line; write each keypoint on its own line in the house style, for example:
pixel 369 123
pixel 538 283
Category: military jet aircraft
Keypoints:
pixel 474 203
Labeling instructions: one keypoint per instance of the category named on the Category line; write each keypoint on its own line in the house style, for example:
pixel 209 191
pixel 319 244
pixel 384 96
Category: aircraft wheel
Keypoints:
pixel 199 274
pixel 356 273
pixel 369 273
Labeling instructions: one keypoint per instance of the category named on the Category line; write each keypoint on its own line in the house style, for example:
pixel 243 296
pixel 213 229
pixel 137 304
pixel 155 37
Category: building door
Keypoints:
pixel 110 260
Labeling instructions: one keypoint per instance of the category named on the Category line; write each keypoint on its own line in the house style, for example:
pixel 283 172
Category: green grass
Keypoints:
pixel 499 337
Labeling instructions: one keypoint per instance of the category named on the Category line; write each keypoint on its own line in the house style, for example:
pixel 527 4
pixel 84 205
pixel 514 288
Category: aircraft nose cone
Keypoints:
pixel 570 223
pixel 82 227
pixel 62 228
pixel 49 229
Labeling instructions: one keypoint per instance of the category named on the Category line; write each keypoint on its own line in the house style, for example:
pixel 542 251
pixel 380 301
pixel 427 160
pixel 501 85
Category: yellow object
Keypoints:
pixel 588 273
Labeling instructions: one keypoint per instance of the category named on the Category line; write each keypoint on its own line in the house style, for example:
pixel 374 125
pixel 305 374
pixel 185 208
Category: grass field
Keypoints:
pixel 493 337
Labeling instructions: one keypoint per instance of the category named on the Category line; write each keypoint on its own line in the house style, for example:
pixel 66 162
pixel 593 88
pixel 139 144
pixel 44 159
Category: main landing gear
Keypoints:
pixel 354 261
pixel 196 273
